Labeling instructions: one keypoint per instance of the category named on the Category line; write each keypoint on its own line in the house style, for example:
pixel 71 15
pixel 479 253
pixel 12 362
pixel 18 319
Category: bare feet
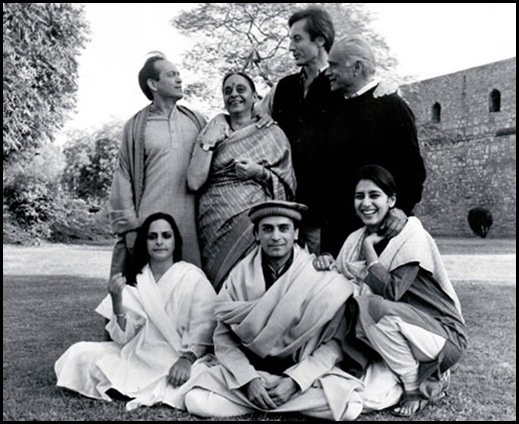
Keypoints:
pixel 411 404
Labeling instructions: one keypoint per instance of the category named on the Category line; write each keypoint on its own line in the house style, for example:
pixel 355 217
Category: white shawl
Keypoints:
pixel 164 320
pixel 412 244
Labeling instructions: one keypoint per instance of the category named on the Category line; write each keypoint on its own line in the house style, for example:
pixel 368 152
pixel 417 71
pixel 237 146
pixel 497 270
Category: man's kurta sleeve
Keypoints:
pixel 227 350
pixel 322 360
pixel 122 208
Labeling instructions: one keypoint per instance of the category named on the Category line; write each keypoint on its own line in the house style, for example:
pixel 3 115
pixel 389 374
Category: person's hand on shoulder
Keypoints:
pixel 385 88
pixel 324 262
pixel 264 120
pixel 262 117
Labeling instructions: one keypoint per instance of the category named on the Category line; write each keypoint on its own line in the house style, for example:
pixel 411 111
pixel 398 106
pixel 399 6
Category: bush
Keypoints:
pixel 14 234
pixel 480 221
pixel 30 200
pixel 37 209
pixel 75 223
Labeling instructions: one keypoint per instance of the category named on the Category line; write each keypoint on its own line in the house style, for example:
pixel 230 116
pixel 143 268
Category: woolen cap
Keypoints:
pixel 291 210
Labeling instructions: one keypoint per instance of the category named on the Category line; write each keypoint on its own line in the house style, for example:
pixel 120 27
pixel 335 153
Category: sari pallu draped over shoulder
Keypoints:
pixel 224 229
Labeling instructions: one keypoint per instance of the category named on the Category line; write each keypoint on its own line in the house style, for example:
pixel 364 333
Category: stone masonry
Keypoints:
pixel 467 132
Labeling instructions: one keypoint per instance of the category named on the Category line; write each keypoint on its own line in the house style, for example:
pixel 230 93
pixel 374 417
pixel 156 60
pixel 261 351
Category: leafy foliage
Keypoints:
pixel 30 200
pixel 31 190
pixel 37 208
pixel 41 43
pixel 254 37
pixel 91 158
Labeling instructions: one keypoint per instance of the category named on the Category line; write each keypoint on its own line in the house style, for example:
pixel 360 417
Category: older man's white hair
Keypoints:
pixel 353 48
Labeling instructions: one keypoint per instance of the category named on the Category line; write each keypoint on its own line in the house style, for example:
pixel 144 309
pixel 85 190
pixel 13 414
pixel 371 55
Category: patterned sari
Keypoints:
pixel 224 229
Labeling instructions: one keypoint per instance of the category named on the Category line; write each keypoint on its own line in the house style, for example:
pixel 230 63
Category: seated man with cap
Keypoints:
pixel 279 323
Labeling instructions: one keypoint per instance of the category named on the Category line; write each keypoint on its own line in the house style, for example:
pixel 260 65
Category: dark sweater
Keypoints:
pixel 304 121
pixel 367 130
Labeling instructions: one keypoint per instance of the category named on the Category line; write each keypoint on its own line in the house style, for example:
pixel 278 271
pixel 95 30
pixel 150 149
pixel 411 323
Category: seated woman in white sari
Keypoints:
pixel 161 321
pixel 407 310
pixel 235 165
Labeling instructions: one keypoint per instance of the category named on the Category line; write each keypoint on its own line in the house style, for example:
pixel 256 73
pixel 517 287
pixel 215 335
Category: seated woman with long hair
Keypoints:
pixel 235 165
pixel 407 310
pixel 160 320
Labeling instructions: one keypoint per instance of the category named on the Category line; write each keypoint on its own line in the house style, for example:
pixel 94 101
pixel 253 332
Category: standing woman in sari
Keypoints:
pixel 234 166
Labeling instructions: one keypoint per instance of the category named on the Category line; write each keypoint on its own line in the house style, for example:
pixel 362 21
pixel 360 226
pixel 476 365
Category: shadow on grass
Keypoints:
pixel 43 316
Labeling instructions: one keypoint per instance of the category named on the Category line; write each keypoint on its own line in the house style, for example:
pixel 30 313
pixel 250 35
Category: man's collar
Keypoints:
pixel 282 267
pixel 364 89
pixel 321 70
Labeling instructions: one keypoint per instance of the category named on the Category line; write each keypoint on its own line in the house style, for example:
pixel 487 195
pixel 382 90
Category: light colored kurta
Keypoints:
pixel 300 317
pixel 164 320
pixel 159 183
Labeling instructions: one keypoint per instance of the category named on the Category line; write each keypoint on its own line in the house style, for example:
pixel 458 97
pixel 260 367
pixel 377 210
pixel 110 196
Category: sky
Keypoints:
pixel 428 40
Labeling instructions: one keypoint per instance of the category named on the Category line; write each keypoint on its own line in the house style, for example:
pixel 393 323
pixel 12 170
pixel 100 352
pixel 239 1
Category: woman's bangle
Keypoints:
pixel 190 356
pixel 372 263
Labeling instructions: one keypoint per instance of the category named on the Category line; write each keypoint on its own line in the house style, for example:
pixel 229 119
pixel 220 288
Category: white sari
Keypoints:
pixel 164 320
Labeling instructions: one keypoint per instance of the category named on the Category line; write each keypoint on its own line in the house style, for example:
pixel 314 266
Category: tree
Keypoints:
pixel 41 45
pixel 254 37
pixel 91 158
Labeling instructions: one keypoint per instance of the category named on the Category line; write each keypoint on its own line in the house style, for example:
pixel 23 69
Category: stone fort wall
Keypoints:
pixel 467 132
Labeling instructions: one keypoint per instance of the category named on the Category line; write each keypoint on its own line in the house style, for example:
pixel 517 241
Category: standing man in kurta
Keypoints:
pixel 153 159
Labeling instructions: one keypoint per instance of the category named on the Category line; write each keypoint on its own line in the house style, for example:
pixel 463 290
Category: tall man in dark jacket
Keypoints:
pixel 301 104
pixel 363 130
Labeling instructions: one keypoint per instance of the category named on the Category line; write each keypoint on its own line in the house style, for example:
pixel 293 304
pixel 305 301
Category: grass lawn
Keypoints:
pixel 44 314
